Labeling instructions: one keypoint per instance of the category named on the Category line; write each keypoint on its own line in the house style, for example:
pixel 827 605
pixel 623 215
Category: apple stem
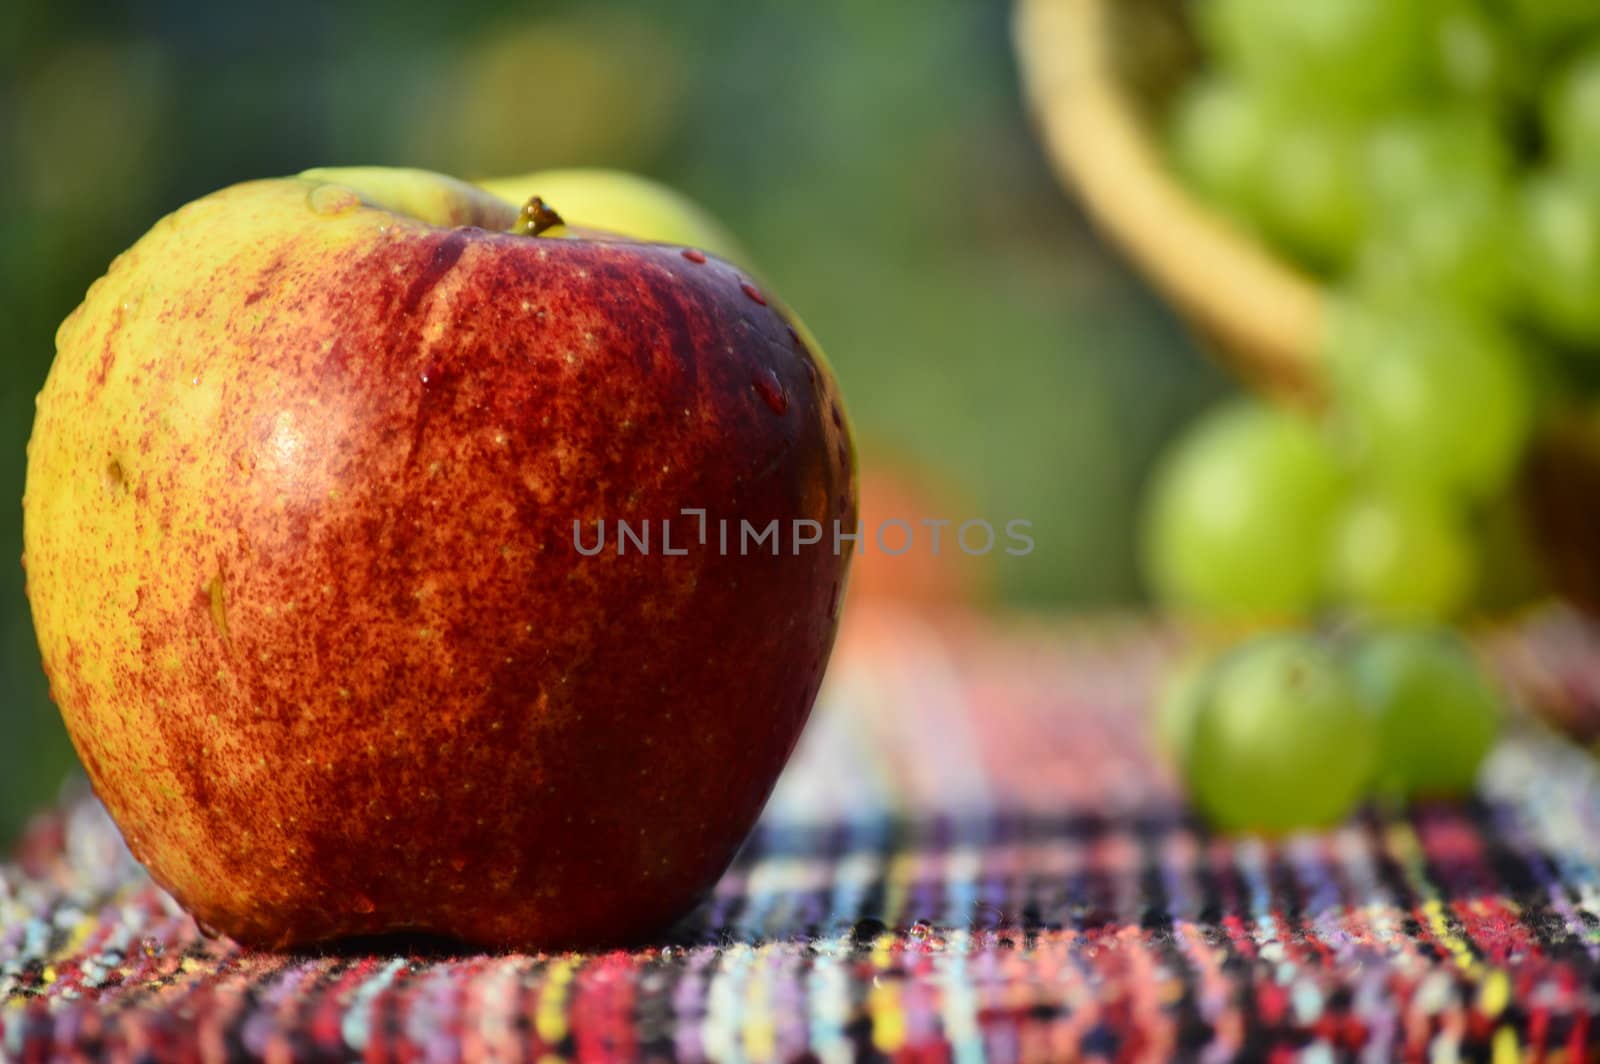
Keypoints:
pixel 536 217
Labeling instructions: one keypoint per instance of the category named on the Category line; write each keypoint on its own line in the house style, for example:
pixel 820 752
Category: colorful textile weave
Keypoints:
pixel 975 855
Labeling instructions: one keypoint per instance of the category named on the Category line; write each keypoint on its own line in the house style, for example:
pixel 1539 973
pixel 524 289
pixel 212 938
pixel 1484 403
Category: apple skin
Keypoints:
pixel 623 203
pixel 300 553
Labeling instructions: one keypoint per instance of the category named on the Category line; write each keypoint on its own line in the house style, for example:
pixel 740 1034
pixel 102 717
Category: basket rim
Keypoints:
pixel 1262 316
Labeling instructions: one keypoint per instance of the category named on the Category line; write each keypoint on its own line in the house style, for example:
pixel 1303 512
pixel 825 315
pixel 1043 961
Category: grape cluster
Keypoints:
pixel 1437 164
pixel 1291 730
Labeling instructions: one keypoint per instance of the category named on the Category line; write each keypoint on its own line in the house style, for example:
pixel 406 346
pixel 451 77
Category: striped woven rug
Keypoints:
pixel 974 856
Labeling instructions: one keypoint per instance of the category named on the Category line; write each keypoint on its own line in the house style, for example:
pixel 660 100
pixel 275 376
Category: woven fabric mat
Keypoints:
pixel 974 855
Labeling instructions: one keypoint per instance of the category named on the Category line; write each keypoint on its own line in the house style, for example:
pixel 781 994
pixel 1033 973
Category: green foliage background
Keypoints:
pixel 874 157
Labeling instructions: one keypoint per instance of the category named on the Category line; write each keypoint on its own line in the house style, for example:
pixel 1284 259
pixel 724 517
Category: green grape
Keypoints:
pixel 1282 741
pixel 1437 712
pixel 1439 189
pixel 1451 246
pixel 1570 111
pixel 1312 196
pixel 1473 55
pixel 1429 399
pixel 1410 158
pixel 1238 515
pixel 1351 55
pixel 1402 556
pixel 1560 257
pixel 1219 135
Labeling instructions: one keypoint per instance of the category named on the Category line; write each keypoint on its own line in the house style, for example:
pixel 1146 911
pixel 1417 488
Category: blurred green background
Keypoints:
pixel 875 158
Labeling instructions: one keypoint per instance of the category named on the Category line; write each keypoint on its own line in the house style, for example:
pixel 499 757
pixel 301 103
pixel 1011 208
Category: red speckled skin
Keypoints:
pixel 300 549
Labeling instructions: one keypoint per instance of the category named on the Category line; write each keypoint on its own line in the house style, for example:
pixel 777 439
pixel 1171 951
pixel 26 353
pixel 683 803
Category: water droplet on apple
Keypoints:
pixel 771 391
pixel 695 256
pixel 752 292
pixel 208 931
pixel 363 904
pixel 328 200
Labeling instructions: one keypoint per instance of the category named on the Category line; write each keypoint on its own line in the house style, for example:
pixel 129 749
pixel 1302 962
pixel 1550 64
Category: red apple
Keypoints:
pixel 301 553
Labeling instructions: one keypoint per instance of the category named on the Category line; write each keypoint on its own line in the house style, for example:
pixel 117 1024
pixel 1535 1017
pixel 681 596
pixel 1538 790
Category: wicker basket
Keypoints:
pixel 1096 72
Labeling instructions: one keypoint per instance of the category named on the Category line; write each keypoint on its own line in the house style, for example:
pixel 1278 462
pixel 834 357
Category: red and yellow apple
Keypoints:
pixel 302 557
